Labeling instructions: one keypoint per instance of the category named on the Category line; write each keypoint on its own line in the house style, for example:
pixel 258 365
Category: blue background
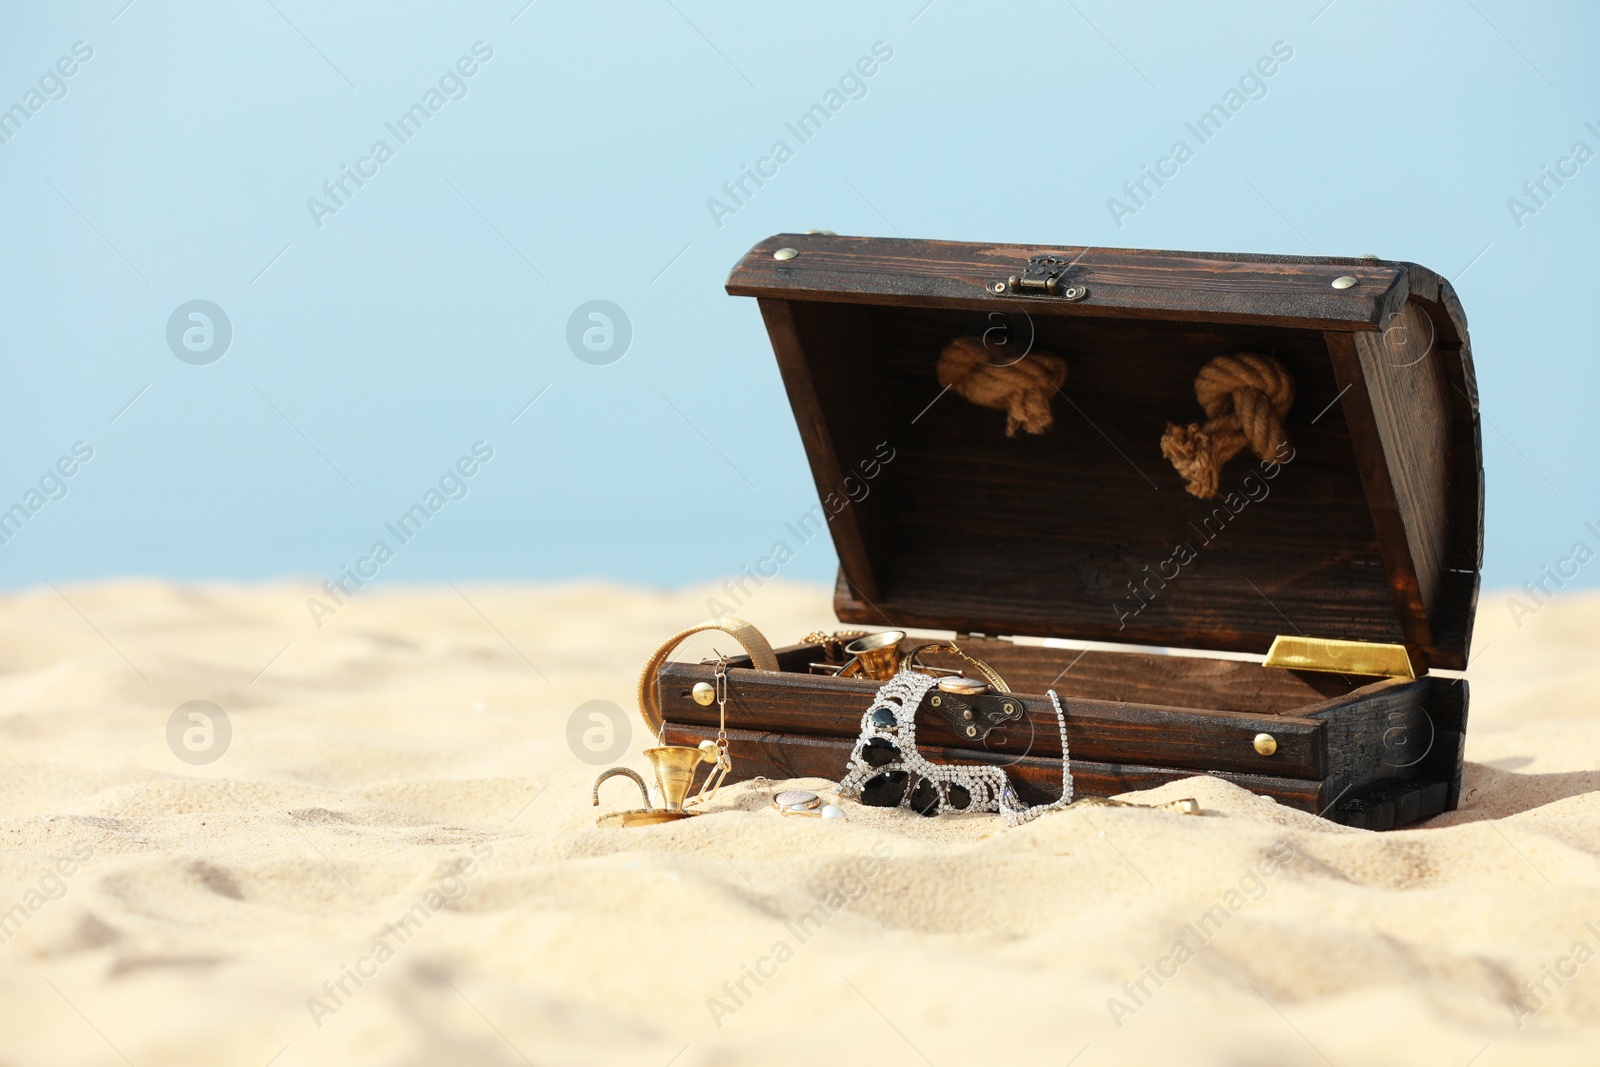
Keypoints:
pixel 370 353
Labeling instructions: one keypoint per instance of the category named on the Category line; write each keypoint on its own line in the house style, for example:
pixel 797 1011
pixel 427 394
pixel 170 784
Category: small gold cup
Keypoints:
pixel 876 656
pixel 674 766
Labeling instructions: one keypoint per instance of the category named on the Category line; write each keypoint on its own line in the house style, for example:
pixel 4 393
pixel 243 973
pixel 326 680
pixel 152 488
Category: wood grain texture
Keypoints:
pixel 1378 734
pixel 1413 425
pixel 1453 614
pixel 1412 415
pixel 1387 545
pixel 1036 780
pixel 1359 739
pixel 1372 531
pixel 1150 678
pixel 1382 494
pixel 1447 748
pixel 840 427
pixel 1393 805
pixel 1200 740
pixel 1122 282
pixel 1082 532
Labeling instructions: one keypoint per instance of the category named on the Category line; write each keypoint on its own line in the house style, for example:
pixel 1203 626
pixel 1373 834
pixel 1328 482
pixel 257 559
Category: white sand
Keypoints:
pixel 410 732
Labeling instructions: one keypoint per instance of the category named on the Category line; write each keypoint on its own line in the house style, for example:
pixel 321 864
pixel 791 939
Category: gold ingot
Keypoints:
pixel 877 656
pixel 1297 653
pixel 1266 744
pixel 704 693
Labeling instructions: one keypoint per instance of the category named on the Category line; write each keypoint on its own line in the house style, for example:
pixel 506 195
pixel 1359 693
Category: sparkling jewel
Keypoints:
pixel 937 788
pixel 884 790
pixel 878 752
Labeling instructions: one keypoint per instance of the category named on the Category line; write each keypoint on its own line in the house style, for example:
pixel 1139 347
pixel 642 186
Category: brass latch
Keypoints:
pixel 1339 657
pixel 1044 276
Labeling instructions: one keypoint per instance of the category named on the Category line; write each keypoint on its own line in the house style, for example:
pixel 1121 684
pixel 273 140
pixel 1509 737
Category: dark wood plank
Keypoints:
pixel 1446 759
pixel 1411 411
pixel 858 324
pixel 1453 615
pixel 1378 734
pixel 819 705
pixel 841 430
pixel 1037 780
pixel 1120 676
pixel 1069 534
pixel 1147 284
pixel 1382 494
pixel 1392 805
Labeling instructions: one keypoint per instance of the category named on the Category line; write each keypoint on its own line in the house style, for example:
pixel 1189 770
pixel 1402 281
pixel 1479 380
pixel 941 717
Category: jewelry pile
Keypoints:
pixel 887 770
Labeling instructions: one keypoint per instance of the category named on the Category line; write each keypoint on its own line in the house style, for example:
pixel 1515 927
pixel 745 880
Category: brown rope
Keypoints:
pixel 1245 398
pixel 1021 389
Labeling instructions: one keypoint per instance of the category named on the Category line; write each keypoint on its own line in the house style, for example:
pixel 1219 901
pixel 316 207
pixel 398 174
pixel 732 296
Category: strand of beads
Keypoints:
pixel 1012 810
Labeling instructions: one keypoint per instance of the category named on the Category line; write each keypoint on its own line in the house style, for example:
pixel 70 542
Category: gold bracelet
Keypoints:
pixel 989 673
pixel 750 639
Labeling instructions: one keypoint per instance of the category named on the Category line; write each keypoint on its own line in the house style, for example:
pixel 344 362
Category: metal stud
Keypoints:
pixel 785 253
pixel 704 693
pixel 1370 257
pixel 972 731
pixel 1266 744
pixel 1344 281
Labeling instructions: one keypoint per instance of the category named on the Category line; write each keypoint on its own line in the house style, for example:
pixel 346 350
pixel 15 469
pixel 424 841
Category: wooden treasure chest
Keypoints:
pixel 1228 507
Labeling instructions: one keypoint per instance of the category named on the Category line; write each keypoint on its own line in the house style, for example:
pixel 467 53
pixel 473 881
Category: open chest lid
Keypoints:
pixel 1369 529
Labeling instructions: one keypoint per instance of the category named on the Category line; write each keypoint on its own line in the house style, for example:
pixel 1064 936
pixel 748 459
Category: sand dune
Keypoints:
pixel 395 862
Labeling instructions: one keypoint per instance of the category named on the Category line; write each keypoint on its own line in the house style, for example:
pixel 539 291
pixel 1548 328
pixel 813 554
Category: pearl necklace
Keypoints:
pixel 892 718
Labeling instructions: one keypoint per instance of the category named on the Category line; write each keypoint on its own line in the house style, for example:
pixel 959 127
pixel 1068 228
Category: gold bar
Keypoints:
pixel 1339 657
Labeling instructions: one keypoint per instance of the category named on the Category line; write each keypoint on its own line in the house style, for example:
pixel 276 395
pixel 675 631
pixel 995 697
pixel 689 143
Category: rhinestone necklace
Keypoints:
pixel 890 725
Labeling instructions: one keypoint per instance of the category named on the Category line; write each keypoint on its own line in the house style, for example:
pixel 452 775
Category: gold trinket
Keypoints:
pixel 877 656
pixel 674 767
pixel 794 801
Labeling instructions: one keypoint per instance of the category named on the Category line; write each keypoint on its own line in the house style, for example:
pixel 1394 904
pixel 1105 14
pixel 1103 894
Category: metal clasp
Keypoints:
pixel 1044 276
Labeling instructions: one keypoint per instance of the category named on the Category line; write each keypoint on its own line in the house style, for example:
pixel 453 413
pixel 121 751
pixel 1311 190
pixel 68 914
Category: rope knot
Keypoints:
pixel 1021 389
pixel 1245 398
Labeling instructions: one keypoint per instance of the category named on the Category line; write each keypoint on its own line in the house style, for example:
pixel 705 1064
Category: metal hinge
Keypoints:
pixel 1044 276
pixel 1340 657
pixel 975 635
